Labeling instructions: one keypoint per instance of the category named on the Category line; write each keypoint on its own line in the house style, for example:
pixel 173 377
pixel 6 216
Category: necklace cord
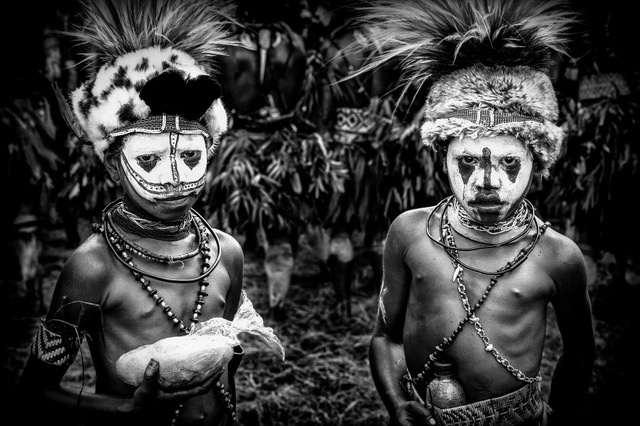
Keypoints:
pixel 202 246
pixel 504 243
pixel 450 249
pixel 145 252
pixel 469 310
pixel 204 275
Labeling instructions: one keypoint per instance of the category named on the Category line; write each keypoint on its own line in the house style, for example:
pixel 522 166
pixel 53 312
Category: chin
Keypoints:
pixel 488 215
pixel 174 209
pixel 168 209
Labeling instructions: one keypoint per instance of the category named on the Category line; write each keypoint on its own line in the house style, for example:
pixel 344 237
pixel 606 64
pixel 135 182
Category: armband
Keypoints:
pixel 55 348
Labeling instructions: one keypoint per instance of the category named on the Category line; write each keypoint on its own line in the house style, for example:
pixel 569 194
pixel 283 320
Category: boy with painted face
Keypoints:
pixel 469 280
pixel 163 173
pixel 155 268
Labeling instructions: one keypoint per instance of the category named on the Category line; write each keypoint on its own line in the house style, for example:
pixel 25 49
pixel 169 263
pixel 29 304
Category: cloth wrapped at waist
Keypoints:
pixel 524 406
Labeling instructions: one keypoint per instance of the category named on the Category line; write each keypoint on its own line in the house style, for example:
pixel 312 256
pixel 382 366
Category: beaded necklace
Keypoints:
pixel 120 247
pixel 136 221
pixel 516 220
pixel 448 242
pixel 141 251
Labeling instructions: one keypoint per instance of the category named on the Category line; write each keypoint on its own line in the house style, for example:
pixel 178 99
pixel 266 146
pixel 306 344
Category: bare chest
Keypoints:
pixel 510 306
pixel 142 308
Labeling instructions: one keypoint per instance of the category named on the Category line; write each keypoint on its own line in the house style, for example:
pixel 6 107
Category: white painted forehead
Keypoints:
pixel 498 144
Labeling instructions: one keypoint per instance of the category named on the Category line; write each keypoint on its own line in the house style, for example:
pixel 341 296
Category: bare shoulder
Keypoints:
pixel 232 259
pixel 231 256
pixel 561 248
pixel 563 257
pixel 91 260
pixel 86 272
pixel 410 223
pixel 229 246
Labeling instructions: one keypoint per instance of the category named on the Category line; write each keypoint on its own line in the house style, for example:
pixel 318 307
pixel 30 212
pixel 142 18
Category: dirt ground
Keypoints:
pixel 325 378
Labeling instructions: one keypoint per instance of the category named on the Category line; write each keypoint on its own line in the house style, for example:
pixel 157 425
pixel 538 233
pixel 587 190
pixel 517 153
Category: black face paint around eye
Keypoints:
pixel 513 170
pixel 147 162
pixel 192 158
pixel 465 169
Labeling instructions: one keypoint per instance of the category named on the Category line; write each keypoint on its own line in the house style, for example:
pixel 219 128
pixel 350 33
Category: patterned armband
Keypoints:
pixel 55 348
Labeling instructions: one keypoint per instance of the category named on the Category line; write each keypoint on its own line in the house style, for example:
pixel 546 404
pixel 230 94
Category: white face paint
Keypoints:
pixel 490 176
pixel 164 173
pixel 165 165
pixel 381 309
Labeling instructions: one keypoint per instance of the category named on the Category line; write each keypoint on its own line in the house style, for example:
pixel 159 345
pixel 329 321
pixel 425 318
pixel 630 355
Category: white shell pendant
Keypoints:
pixel 456 273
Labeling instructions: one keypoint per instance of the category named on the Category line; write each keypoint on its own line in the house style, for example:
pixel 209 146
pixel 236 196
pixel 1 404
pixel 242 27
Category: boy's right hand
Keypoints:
pixel 413 413
pixel 150 393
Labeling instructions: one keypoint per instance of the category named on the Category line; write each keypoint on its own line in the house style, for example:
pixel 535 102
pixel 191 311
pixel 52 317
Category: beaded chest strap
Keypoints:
pixel 448 243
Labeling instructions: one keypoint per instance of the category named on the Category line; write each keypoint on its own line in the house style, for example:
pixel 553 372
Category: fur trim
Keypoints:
pixel 217 123
pixel 488 54
pixel 544 139
pixel 508 89
pixel 517 90
pixel 129 43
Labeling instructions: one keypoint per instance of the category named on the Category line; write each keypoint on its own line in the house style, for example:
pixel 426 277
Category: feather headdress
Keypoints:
pixel 152 68
pixel 487 62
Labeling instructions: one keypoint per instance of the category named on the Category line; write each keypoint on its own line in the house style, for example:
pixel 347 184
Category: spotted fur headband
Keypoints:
pixel 149 62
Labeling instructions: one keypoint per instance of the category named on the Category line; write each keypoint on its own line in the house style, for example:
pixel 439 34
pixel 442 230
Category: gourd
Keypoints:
pixel 190 359
pixel 183 360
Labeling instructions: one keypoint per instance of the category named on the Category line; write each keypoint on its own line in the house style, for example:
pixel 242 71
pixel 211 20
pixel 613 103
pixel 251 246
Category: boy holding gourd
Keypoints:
pixel 154 269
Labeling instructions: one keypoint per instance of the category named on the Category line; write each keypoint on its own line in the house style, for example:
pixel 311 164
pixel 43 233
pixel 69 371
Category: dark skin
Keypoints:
pixel 100 296
pixel 420 305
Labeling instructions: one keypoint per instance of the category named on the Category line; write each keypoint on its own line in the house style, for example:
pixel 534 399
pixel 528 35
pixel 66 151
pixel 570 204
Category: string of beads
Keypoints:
pixel 118 216
pixel 122 249
pixel 516 220
pixel 448 243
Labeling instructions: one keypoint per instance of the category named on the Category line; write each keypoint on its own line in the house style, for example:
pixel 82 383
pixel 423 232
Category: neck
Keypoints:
pixel 497 233
pixel 136 221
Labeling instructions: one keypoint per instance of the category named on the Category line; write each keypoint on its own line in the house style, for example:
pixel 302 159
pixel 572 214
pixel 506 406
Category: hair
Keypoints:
pixel 434 38
pixel 113 28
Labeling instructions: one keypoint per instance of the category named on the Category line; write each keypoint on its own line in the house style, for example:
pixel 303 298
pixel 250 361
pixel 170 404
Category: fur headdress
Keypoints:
pixel 487 62
pixel 152 69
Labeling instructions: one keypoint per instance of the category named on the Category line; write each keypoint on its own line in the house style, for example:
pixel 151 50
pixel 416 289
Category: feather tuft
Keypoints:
pixel 491 56
pixel 438 37
pixel 113 28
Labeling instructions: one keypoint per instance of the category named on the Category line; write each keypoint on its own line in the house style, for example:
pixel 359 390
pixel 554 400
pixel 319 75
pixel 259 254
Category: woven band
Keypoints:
pixel 489 117
pixel 163 124
pixel 354 120
pixel 511 409
pixel 53 348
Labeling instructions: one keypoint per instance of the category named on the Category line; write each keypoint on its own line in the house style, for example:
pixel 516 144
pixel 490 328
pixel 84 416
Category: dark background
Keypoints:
pixel 590 197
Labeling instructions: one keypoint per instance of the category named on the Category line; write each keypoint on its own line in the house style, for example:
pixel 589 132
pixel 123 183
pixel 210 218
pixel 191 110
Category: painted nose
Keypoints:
pixel 169 176
pixel 488 178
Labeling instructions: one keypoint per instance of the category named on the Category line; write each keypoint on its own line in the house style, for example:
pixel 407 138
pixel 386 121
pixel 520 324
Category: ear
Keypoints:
pixel 442 155
pixel 111 161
